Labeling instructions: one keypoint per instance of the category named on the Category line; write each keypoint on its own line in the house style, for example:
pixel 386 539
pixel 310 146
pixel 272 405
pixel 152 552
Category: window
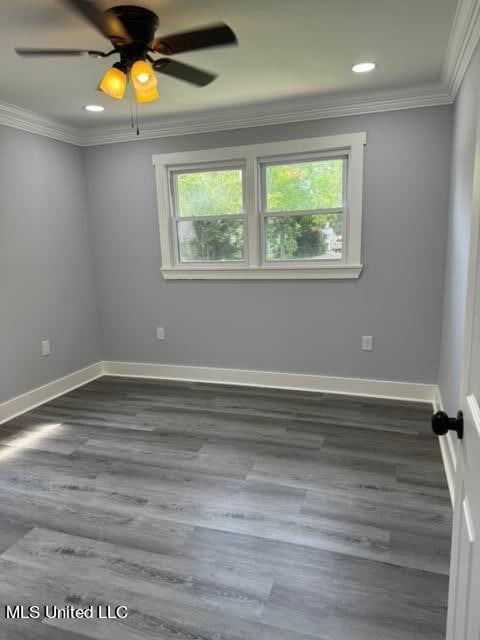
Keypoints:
pixel 209 215
pixel 281 210
pixel 303 209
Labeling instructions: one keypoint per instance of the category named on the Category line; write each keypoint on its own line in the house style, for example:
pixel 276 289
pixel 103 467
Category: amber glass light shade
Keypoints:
pixel 114 83
pixel 143 76
pixel 147 96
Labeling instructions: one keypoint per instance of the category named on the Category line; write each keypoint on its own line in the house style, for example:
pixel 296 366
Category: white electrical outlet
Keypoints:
pixel 160 333
pixel 45 347
pixel 367 343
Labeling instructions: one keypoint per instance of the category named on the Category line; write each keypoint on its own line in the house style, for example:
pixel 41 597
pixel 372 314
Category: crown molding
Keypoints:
pixel 463 40
pixel 279 112
pixel 32 122
pixel 313 107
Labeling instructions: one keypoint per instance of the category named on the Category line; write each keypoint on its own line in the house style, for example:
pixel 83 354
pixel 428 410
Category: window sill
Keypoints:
pixel 327 272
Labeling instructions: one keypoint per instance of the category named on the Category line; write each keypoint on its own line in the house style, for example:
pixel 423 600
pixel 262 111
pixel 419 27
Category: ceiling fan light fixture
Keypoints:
pixel 114 82
pixel 131 30
pixel 143 76
pixel 150 95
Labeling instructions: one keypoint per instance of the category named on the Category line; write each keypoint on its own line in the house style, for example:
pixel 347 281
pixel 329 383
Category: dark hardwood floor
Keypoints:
pixel 222 513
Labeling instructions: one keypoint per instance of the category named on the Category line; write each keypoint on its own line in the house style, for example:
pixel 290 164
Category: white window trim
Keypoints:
pixel 349 267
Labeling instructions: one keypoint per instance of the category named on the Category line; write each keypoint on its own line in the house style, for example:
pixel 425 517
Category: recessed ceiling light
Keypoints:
pixel 94 107
pixel 363 67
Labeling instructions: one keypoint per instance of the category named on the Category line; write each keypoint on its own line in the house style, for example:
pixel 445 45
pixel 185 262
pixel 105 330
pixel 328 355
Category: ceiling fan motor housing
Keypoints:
pixel 141 24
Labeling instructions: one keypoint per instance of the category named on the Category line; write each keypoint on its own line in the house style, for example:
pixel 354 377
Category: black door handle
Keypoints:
pixel 442 423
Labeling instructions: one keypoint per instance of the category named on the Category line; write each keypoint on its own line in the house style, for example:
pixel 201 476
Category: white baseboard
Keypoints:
pixel 271 379
pixel 385 389
pixel 388 389
pixel 447 447
pixel 31 399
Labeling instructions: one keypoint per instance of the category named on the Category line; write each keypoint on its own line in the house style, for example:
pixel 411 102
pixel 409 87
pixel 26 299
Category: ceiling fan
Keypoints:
pixel 131 31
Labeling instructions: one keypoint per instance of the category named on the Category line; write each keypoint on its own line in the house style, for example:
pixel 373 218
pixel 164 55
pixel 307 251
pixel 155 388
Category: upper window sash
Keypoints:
pixel 294 159
pixel 253 158
pixel 202 168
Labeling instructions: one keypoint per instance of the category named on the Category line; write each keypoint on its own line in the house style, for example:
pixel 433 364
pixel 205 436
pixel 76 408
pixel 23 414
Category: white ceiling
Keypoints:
pixel 288 48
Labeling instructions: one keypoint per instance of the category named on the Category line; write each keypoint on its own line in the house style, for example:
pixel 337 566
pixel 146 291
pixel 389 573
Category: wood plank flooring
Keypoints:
pixel 223 513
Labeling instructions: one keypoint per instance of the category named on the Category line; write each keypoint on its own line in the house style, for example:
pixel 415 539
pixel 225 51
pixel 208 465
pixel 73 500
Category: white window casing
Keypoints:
pixel 252 159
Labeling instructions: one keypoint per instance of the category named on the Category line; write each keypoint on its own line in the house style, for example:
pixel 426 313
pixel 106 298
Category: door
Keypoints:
pixel 464 595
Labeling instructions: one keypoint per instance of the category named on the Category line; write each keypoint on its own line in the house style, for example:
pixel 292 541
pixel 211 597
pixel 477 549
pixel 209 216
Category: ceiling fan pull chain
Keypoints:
pixel 136 115
pixel 131 114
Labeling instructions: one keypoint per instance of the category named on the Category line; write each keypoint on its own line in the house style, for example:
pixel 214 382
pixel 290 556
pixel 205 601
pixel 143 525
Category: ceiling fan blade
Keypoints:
pixel 107 23
pixel 215 35
pixel 183 72
pixel 59 52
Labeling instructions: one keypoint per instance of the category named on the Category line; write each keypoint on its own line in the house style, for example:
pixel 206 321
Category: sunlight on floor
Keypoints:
pixel 26 441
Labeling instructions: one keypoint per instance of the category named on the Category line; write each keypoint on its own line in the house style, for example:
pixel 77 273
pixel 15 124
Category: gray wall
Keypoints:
pixel 465 129
pixel 46 276
pixel 308 327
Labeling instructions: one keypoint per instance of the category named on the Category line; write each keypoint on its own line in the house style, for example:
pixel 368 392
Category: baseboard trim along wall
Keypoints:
pixel 293 381
pixel 31 399
pixel 447 447
pixel 385 389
